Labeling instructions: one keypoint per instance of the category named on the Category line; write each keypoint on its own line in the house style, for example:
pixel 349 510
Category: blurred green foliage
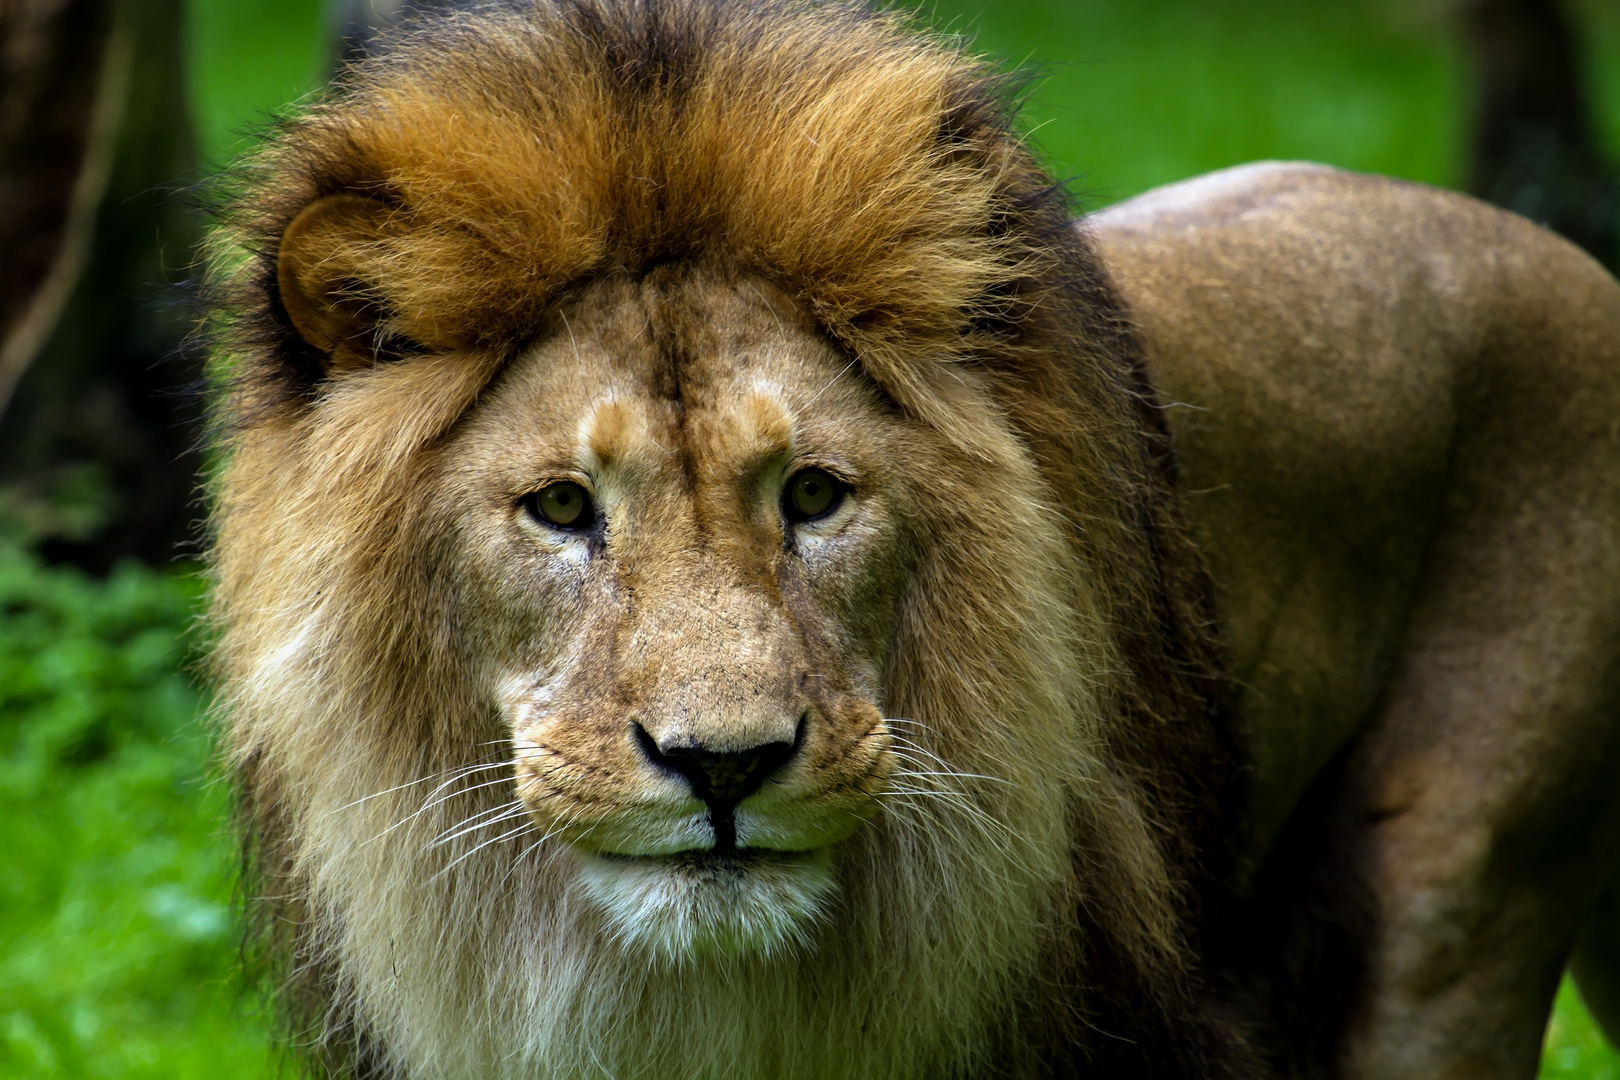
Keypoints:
pixel 1130 96
pixel 1127 96
pixel 250 58
pixel 1575 1049
pixel 117 945
pixel 1122 96
pixel 117 949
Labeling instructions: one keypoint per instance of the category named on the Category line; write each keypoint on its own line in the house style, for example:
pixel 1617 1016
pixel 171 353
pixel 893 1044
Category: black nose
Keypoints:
pixel 721 778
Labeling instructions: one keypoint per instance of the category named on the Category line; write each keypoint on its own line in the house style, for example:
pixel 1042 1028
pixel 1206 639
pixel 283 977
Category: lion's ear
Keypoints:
pixel 318 271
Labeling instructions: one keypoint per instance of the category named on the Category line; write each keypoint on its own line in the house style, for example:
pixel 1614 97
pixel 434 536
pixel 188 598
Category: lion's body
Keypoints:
pixel 1397 412
pixel 505 772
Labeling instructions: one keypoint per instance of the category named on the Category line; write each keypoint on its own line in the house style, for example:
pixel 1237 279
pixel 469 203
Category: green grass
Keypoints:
pixel 117 953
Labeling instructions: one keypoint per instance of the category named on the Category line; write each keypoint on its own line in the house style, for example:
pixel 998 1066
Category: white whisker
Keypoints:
pixel 504 812
pixel 464 856
pixel 455 774
pixel 435 802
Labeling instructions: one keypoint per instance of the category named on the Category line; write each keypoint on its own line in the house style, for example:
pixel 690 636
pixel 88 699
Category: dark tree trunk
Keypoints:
pixel 1534 148
pixel 96 424
pixel 61 92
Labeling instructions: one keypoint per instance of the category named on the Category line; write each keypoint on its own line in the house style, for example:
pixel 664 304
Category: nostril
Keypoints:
pixel 648 745
pixel 721 778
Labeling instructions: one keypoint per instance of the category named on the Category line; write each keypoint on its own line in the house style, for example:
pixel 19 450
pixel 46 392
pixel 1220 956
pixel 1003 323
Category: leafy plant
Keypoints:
pixel 117 946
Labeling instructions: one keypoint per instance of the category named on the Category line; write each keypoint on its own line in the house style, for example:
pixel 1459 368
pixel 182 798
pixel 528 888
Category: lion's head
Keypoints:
pixel 698 590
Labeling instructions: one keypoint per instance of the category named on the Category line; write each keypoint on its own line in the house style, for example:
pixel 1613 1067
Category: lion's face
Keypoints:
pixel 582 602
pixel 679 549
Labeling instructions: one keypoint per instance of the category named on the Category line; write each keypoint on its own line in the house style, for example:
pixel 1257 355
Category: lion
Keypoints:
pixel 719 574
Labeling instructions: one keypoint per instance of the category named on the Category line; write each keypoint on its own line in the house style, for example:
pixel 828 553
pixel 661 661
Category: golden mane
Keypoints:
pixel 870 173
pixel 877 181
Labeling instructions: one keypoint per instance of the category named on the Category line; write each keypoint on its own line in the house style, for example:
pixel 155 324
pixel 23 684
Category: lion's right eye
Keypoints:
pixel 811 494
pixel 563 505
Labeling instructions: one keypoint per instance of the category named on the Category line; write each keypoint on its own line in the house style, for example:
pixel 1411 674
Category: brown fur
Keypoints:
pixel 1396 423
pixel 665 194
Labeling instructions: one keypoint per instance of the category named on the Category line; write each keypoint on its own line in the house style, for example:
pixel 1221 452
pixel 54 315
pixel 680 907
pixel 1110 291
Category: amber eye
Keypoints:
pixel 564 505
pixel 812 493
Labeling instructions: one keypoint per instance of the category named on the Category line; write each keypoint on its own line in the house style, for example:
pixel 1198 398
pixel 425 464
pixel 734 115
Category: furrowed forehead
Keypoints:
pixel 651 372
pixel 593 387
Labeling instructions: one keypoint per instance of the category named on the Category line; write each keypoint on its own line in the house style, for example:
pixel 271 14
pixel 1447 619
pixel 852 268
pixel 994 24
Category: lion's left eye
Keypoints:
pixel 563 505
pixel 812 494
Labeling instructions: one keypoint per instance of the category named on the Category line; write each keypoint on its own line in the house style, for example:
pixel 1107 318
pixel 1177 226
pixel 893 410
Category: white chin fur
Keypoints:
pixel 684 907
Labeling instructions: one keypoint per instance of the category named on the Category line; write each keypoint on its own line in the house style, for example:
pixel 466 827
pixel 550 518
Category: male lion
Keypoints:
pixel 705 589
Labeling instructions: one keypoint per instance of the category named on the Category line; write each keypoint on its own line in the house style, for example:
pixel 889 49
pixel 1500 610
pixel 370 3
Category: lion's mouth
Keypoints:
pixel 716 859
pixel 724 824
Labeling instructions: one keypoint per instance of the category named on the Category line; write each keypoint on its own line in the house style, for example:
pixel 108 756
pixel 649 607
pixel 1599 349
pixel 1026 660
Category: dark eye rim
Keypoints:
pixel 842 489
pixel 588 517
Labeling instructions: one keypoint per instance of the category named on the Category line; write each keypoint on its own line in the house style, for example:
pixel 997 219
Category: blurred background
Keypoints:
pixel 118 954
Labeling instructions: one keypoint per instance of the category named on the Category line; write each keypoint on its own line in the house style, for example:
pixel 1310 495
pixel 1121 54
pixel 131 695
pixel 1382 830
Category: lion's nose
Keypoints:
pixel 721 778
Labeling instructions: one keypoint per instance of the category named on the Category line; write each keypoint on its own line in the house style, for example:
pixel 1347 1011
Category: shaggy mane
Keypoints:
pixel 871 173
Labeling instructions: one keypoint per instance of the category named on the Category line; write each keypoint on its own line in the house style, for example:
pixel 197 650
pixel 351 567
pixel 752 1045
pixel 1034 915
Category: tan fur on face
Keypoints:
pixel 673 254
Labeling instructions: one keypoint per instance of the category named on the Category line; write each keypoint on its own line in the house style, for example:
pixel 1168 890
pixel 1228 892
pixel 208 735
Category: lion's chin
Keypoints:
pixel 699 905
